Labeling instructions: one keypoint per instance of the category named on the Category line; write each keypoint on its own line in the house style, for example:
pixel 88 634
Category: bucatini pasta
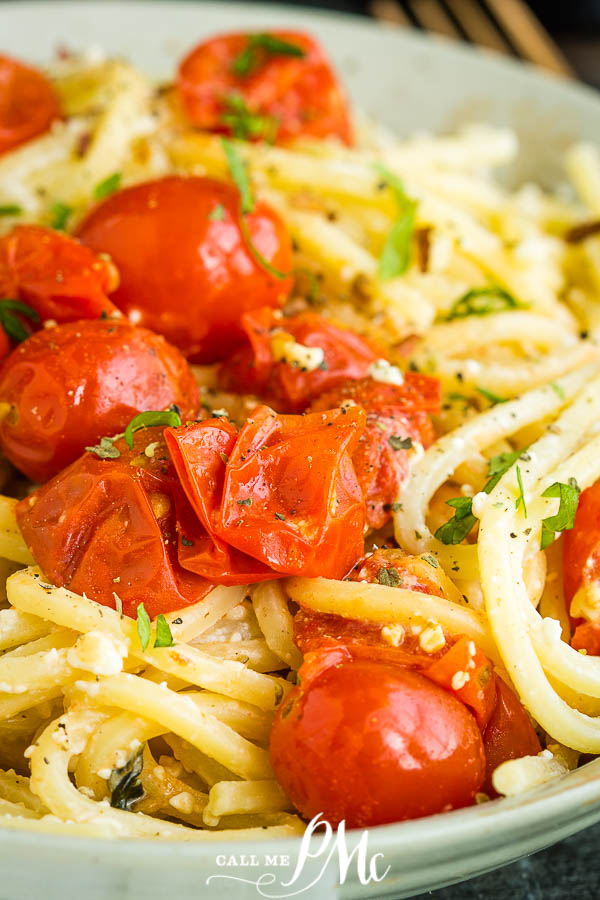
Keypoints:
pixel 357 485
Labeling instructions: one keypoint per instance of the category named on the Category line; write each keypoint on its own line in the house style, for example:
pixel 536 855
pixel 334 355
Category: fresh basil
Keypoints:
pixel 168 418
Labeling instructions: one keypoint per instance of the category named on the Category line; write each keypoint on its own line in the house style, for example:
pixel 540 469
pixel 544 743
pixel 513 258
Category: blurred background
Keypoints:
pixel 561 35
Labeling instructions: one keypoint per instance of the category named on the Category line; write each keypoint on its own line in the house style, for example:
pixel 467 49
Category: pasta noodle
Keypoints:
pixel 87 709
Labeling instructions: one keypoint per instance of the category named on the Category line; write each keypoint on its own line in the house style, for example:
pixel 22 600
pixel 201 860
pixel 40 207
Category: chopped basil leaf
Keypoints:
pixel 144 629
pixel 499 465
pixel 431 560
pixel 186 542
pixel 397 250
pixel 108 186
pixel 396 506
pixel 483 302
pixel 557 390
pixel 238 172
pixel 246 502
pixel 257 255
pixel 258 47
pixel 105 449
pixel 389 577
pixel 280 516
pixel 11 323
pixel 167 417
pixel 10 209
pixel 125 784
pixel 399 443
pixel 493 398
pixel 217 213
pixel 521 497
pixel 224 457
pixel 458 527
pixel 243 123
pixel 564 520
pixel 59 215
pixel 164 638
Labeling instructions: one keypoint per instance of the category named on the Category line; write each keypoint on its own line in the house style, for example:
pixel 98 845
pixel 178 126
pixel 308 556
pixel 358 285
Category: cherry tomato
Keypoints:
pixel 263 368
pixel 509 734
pixel 28 103
pixel 285 492
pixel 186 270
pixel 107 526
pixel 581 545
pixel 55 275
pixel 66 387
pixel 397 569
pixel 239 84
pixel 372 743
pixel 587 637
pixel 467 673
pixel 396 421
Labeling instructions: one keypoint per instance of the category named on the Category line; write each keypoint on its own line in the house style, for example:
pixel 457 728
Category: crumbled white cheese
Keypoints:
pixel 478 505
pixel 382 370
pixel 432 638
pixel 287 350
pixel 459 679
pixel 104 773
pixel 393 634
pixel 183 802
pixel 98 653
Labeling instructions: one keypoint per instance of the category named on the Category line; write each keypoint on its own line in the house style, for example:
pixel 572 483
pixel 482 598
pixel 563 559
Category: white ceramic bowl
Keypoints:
pixel 409 82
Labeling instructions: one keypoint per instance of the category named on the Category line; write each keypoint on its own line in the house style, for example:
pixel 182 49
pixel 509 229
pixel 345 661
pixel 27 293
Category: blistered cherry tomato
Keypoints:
pixel 509 734
pixel 106 527
pixel 28 103
pixel 397 421
pixel 66 387
pixel 373 743
pixel 581 545
pixel 55 275
pixel 283 492
pixel 270 364
pixel 277 87
pixel 186 270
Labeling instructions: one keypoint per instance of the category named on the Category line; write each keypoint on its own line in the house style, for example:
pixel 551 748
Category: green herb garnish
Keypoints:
pixel 564 520
pixel 483 302
pixel 390 577
pixel 118 604
pixel 125 784
pixel 397 250
pixel 521 497
pixel 399 443
pixel 167 417
pixel 431 560
pixel 557 390
pixel 59 216
pixel 144 628
pixel 458 527
pixel 246 502
pixel 186 542
pixel 10 209
pixel 258 48
pixel 245 124
pixel 105 449
pixel 108 186
pixel 494 399
pixel 11 323
pixel 238 172
pixel 257 255
pixel 280 516
pixel 217 213
pixel 164 638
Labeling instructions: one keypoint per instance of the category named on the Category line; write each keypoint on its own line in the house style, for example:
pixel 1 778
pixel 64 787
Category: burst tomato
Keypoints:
pixel 397 419
pixel 186 270
pixel 581 566
pixel 107 526
pixel 373 743
pixel 509 733
pixel 55 275
pixel 66 387
pixel 241 84
pixel 283 492
pixel 28 103
pixel 267 365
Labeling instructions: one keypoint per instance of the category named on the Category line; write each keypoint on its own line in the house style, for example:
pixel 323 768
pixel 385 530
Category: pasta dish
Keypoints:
pixel 300 455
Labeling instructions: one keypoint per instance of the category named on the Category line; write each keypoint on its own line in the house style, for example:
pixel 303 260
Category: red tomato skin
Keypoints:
pixel 55 275
pixel 413 575
pixel 372 743
pixel 587 637
pixel 253 368
pixel 184 274
pixel 113 530
pixel 479 692
pixel 283 493
pixel 581 545
pixel 303 95
pixel 393 412
pixel 509 734
pixel 28 103
pixel 70 385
